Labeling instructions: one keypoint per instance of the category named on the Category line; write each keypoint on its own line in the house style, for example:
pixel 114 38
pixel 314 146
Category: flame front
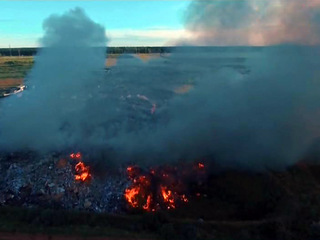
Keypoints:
pixel 149 191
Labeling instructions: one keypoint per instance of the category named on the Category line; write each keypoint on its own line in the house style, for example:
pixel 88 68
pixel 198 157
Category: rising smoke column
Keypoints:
pixel 253 22
pixel 64 78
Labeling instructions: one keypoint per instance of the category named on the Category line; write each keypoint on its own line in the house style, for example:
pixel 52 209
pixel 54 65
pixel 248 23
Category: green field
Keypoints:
pixel 15 67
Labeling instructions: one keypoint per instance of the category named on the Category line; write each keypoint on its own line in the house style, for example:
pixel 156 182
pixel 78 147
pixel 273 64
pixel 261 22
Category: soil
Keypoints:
pixel 10 82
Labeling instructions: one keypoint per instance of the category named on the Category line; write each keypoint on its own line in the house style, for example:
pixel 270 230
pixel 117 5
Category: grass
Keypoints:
pixel 14 67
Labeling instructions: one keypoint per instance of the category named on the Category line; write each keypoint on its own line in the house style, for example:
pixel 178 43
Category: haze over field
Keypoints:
pixel 255 109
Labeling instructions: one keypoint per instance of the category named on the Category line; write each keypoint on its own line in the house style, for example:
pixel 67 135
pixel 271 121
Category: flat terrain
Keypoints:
pixel 228 205
pixel 14 69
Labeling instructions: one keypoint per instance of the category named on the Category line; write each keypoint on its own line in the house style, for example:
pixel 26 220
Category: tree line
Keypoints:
pixel 109 50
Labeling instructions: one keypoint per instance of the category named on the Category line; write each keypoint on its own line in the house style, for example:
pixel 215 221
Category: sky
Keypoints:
pixel 127 23
pixel 172 22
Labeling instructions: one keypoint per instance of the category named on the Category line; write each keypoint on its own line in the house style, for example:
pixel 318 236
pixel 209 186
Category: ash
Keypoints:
pixel 29 180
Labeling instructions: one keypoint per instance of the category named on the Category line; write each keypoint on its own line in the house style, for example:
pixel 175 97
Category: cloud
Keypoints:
pixel 151 37
pixel 19 40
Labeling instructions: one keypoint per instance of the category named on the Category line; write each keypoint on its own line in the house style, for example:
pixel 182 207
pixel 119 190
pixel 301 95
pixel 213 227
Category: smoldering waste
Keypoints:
pixel 51 181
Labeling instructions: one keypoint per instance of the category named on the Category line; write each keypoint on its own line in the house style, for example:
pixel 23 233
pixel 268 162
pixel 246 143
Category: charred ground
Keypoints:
pixel 224 204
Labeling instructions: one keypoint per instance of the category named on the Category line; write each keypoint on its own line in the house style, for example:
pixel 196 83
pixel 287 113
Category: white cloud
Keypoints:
pixel 158 36
pixel 19 40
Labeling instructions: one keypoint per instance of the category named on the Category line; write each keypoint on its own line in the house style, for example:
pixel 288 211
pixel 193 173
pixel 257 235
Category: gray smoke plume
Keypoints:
pixel 262 115
pixel 64 78
pixel 248 107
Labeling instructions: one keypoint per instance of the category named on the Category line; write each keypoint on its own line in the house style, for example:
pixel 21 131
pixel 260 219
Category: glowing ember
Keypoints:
pixel 82 171
pixel 147 205
pixel 184 198
pixel 200 165
pixel 75 155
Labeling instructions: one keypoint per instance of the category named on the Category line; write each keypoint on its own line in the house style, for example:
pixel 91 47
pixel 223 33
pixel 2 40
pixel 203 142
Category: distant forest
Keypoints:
pixel 130 50
pixel 112 50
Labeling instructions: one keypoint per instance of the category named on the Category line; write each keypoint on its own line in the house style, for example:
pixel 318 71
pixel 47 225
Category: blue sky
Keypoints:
pixel 127 23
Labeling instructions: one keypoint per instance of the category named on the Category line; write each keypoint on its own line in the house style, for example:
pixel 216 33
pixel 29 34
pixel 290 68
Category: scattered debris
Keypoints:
pixel 50 181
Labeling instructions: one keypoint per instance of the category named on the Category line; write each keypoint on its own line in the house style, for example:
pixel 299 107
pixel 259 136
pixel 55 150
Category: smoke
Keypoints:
pixel 253 22
pixel 265 115
pixel 63 80
pixel 248 107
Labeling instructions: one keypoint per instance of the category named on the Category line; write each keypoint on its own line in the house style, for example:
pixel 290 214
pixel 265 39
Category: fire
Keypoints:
pixel 150 191
pixel 131 196
pixel 168 197
pixel 148 203
pixel 137 195
pixel 82 171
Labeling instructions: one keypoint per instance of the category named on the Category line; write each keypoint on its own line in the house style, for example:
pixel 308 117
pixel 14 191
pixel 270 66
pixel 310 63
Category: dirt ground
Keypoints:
pixel 10 82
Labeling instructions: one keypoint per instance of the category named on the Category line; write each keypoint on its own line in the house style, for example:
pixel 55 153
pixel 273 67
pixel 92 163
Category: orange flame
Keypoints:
pixel 132 196
pixel 168 197
pixel 149 190
pixel 82 172
pixel 136 195
pixel 148 203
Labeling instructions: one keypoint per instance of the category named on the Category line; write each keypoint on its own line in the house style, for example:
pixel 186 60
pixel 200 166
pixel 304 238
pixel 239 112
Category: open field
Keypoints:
pixel 14 69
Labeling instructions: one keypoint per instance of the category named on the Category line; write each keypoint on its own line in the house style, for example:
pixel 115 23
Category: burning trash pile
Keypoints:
pixel 160 188
pixel 67 182
pixel 82 171
pixel 57 181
